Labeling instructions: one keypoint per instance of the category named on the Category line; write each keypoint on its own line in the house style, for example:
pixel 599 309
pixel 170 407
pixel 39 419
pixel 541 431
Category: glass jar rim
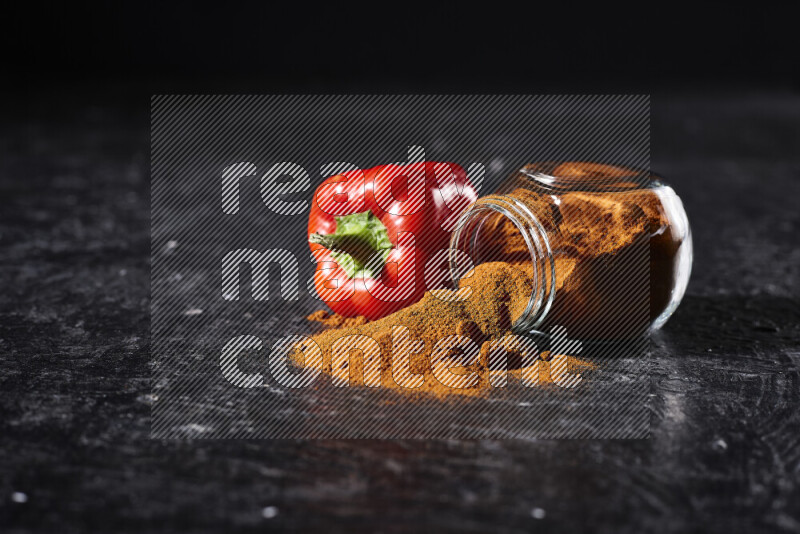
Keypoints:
pixel 537 243
pixel 608 177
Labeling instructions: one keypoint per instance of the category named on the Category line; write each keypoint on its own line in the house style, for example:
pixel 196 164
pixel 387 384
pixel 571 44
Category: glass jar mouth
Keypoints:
pixel 560 177
pixel 466 238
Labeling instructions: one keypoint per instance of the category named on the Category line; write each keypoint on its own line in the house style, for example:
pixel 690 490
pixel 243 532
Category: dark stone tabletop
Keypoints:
pixel 75 390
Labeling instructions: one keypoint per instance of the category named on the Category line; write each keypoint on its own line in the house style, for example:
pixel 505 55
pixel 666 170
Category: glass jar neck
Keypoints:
pixel 470 237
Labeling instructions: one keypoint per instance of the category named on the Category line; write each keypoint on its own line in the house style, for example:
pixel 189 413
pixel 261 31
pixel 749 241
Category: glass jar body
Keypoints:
pixel 608 249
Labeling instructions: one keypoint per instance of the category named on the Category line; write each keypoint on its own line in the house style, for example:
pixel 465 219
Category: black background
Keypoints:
pixel 273 47
pixel 75 389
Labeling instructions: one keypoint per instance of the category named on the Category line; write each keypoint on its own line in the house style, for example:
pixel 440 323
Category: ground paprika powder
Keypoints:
pixel 604 251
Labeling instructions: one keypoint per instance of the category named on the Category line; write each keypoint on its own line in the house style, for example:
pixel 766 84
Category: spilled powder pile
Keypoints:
pixel 499 294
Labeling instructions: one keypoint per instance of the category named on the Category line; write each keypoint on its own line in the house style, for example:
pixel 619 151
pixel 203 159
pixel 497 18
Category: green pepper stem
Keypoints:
pixel 356 241
pixel 354 245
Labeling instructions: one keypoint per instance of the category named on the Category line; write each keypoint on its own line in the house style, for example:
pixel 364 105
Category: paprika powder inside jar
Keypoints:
pixel 607 248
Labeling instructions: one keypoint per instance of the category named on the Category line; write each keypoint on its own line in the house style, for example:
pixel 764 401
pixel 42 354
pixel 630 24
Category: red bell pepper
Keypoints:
pixel 372 233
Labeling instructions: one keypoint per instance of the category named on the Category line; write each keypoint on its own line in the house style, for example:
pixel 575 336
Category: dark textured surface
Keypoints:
pixel 74 386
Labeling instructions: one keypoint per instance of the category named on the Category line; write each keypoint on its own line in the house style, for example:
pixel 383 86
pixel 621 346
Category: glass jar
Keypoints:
pixel 607 248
